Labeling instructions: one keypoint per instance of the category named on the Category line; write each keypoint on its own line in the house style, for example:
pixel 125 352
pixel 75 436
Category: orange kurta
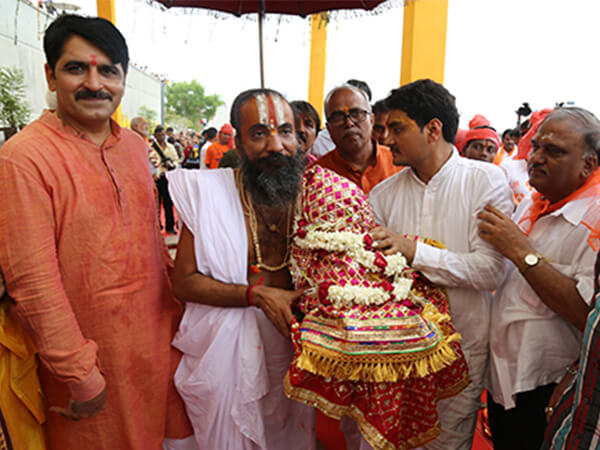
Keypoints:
pixel 83 260
pixel 381 168
pixel 214 153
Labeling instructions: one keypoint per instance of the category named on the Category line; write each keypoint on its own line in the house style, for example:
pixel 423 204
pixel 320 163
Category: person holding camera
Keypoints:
pixel 167 156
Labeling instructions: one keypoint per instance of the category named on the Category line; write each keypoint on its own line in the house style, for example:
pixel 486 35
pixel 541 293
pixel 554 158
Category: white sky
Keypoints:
pixel 499 53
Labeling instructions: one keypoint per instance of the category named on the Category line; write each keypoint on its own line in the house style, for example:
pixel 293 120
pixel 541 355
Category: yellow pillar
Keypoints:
pixel 318 57
pixel 106 10
pixel 424 40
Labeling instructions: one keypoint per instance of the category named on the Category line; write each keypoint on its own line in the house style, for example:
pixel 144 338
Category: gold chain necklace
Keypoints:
pixel 272 227
pixel 247 203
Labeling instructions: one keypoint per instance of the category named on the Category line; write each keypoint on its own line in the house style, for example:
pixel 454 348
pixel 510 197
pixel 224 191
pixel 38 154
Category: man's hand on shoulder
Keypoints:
pixel 276 303
pixel 498 230
pixel 82 410
pixel 390 242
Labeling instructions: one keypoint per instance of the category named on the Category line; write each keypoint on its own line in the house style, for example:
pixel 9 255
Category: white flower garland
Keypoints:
pixel 343 296
pixel 353 245
pixel 402 287
pixel 360 295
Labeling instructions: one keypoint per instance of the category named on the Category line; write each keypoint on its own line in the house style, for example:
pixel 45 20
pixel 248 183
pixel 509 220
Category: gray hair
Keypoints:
pixel 352 88
pixel 585 121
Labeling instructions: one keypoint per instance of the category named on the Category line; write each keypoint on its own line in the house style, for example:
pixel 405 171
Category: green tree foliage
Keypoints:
pixel 188 100
pixel 14 110
pixel 150 115
pixel 174 120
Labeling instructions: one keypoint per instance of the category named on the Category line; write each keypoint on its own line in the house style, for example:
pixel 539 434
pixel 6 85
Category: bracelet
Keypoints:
pixel 249 291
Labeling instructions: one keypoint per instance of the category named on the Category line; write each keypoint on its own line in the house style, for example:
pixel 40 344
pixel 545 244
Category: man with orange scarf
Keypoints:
pixel 542 306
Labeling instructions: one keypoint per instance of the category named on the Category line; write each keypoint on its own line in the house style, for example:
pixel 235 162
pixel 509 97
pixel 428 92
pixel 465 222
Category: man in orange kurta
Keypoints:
pixel 356 156
pixel 215 152
pixel 82 255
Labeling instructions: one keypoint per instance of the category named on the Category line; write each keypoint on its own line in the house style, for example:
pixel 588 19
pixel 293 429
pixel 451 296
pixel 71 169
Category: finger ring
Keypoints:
pixel 548 409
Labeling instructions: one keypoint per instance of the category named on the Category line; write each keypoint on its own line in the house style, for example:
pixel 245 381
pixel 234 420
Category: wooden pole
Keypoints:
pixel 261 15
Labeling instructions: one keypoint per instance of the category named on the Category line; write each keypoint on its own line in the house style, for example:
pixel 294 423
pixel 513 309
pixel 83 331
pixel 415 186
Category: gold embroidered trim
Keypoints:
pixel 369 432
pixel 380 367
pixel 355 330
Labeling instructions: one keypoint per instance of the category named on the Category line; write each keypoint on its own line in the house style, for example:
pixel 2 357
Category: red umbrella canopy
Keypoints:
pixel 301 8
pixel 295 7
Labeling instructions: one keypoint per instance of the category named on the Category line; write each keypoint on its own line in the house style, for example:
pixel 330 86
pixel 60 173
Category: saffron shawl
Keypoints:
pixel 540 206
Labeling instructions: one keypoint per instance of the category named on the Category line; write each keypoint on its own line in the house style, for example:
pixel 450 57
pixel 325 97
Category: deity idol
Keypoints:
pixel 374 340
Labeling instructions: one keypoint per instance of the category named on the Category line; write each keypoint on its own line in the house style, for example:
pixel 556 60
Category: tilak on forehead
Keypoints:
pixel 399 116
pixel 270 110
pixel 93 60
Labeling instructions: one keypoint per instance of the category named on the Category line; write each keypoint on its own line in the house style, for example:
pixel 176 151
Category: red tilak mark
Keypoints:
pixel 93 60
pixel 272 116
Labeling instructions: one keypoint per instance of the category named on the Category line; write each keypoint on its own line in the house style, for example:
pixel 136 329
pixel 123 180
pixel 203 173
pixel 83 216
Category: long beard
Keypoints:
pixel 274 180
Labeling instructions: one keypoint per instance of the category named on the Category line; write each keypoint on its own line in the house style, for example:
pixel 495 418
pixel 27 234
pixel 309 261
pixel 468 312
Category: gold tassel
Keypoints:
pixel 326 363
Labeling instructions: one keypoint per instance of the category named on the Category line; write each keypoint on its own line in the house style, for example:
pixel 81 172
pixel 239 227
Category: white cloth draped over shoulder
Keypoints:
pixel 234 360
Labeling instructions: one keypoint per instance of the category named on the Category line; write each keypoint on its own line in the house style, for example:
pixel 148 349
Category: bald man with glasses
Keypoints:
pixel 356 155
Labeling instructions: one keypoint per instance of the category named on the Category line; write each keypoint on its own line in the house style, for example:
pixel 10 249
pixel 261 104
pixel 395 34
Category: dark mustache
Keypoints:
pixel 302 136
pixel 87 93
pixel 537 166
pixel 272 160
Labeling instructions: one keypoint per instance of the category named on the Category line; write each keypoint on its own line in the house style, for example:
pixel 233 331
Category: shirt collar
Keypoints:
pixel 51 120
pixel 574 211
pixel 442 173
pixel 341 161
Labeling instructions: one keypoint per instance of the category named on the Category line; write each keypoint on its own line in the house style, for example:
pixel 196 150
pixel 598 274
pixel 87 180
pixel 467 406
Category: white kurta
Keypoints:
pixel 445 209
pixel 202 154
pixel 530 345
pixel 234 360
pixel 516 174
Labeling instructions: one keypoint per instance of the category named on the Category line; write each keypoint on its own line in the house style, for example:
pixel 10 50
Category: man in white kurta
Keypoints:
pixel 235 331
pixel 438 196
pixel 541 307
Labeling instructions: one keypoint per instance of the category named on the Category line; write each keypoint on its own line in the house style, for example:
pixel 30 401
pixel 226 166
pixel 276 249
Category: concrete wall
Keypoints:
pixel 26 53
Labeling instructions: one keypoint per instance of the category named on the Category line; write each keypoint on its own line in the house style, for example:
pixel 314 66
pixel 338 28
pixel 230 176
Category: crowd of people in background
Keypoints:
pixel 211 148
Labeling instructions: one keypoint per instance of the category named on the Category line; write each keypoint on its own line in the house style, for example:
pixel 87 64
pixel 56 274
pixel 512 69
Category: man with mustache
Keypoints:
pixel 308 125
pixel 508 149
pixel 380 129
pixel 232 270
pixel 438 196
pixel 541 308
pixel 356 156
pixel 84 263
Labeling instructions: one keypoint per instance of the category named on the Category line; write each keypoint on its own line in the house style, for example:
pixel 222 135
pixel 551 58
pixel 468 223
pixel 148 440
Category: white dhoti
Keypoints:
pixel 234 360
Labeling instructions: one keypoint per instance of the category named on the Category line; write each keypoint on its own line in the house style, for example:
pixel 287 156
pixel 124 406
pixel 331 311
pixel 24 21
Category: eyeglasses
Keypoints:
pixel 339 118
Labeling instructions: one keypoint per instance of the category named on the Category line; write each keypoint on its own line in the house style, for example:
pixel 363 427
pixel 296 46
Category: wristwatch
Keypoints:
pixel 530 260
